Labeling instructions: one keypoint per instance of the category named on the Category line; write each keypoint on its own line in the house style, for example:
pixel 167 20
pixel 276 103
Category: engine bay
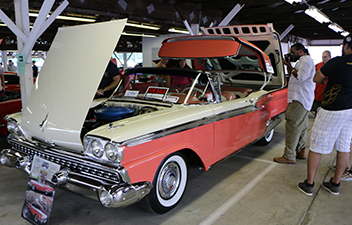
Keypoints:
pixel 109 112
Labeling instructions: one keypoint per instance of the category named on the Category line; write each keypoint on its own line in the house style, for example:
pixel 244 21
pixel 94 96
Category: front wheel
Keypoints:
pixel 168 186
pixel 266 139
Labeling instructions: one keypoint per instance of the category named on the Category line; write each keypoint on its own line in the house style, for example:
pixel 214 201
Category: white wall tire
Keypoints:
pixel 266 139
pixel 168 186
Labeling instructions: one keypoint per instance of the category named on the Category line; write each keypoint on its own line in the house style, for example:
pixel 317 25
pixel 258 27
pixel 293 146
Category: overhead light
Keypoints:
pixel 138 35
pixel 143 26
pixel 292 1
pixel 178 31
pixel 345 33
pixel 81 19
pixel 3 25
pixel 335 27
pixel 315 13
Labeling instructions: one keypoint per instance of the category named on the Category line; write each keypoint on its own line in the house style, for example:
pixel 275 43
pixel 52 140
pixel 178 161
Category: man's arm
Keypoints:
pixel 111 86
pixel 319 77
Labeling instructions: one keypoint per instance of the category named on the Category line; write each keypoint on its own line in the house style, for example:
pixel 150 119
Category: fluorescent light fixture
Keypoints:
pixel 81 19
pixel 138 35
pixel 292 1
pixel 2 25
pixel 345 33
pixel 143 26
pixel 335 27
pixel 178 31
pixel 315 13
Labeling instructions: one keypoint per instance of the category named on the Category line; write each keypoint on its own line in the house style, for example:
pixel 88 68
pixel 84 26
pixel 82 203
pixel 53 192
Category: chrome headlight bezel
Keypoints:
pixel 96 148
pixel 103 150
pixel 113 152
pixel 14 128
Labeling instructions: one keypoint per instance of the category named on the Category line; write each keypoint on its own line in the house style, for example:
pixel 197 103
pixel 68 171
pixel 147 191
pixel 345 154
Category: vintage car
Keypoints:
pixel 137 145
pixel 41 188
pixel 34 209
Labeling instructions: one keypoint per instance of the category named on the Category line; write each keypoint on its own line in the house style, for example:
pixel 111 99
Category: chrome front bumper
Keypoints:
pixel 108 185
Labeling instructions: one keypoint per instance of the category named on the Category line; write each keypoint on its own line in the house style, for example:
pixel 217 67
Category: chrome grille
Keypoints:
pixel 77 166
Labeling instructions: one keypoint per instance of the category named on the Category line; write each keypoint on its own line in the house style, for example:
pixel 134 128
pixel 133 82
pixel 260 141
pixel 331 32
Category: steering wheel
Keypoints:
pixel 194 89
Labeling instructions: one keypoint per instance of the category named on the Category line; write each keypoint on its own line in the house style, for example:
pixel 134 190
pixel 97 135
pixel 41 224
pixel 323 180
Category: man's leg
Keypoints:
pixel 341 164
pixel 296 128
pixel 312 165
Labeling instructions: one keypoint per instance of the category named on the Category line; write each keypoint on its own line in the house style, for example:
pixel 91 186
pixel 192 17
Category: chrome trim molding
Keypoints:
pixel 187 126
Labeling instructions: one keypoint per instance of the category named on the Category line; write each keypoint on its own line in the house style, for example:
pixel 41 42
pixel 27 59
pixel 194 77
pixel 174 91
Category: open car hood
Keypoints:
pixel 63 92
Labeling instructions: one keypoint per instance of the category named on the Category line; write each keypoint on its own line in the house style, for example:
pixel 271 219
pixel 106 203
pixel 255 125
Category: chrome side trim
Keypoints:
pixel 187 126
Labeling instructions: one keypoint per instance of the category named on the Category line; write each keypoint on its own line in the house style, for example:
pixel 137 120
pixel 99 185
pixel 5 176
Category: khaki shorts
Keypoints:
pixel 331 129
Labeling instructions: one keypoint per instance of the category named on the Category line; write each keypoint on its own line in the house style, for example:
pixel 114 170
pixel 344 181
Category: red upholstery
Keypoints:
pixel 228 95
pixel 191 99
pixel 244 91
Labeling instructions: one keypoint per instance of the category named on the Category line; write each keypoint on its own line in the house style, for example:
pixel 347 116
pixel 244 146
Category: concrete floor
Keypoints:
pixel 248 188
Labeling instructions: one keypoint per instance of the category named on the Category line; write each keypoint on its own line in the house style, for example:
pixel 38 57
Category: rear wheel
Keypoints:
pixel 168 186
pixel 266 139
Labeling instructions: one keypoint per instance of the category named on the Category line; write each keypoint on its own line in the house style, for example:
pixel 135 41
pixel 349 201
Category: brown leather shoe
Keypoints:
pixel 301 154
pixel 284 160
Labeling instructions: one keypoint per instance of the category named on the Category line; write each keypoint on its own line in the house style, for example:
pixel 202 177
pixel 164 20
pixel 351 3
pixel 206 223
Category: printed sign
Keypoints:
pixel 172 99
pixel 130 93
pixel 156 92
pixel 40 193
pixel 21 64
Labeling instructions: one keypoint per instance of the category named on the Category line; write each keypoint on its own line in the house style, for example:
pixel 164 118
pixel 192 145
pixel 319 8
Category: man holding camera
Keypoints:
pixel 300 98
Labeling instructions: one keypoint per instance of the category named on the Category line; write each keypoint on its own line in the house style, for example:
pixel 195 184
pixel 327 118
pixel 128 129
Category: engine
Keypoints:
pixel 104 114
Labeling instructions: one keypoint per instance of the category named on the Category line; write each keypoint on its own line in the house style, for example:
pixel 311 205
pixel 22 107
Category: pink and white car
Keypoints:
pixel 138 144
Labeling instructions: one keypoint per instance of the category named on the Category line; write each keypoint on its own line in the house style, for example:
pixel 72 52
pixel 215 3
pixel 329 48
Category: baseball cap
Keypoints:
pixel 348 40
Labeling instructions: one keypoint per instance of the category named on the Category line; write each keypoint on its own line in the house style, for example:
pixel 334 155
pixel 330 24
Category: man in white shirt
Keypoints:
pixel 300 98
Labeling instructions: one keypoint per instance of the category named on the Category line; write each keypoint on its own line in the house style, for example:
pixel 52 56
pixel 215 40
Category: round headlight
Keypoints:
pixel 113 152
pixel 96 148
pixel 11 126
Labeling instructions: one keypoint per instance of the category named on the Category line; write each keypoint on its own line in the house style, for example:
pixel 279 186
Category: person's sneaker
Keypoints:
pixel 306 188
pixel 301 154
pixel 284 160
pixel 347 176
pixel 332 187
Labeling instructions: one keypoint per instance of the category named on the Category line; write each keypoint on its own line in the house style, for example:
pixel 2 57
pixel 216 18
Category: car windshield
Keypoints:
pixel 180 86
pixel 249 63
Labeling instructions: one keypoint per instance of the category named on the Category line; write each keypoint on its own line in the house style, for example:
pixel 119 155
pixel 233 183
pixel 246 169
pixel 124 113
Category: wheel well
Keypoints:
pixel 192 158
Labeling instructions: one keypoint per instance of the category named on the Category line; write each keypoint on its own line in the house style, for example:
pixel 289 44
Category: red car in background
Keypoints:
pixel 10 102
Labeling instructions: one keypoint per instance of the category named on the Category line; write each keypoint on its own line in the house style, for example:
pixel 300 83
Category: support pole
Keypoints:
pixel 231 15
pixel 188 27
pixel 288 30
pixel 22 22
pixel 26 38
